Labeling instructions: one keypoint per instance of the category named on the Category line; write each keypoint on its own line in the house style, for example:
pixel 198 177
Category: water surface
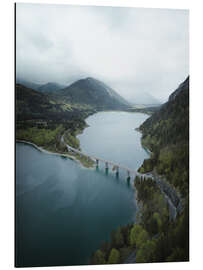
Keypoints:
pixel 64 211
pixel 112 136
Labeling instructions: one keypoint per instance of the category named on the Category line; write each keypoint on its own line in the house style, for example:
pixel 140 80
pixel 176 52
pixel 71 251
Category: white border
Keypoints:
pixel 7 129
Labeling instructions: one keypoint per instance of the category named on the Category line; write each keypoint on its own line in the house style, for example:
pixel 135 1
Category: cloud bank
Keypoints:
pixel 131 49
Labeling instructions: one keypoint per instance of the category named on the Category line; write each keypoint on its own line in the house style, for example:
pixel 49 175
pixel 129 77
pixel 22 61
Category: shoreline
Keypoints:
pixel 144 146
pixel 139 205
pixel 43 150
pixel 161 181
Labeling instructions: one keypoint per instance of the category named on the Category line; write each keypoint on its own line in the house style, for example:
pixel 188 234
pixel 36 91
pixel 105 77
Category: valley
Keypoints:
pixel 42 117
pixel 51 119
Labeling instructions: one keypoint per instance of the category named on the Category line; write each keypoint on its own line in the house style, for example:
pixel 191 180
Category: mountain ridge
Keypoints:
pixel 179 89
pixel 50 87
pixel 28 84
pixel 93 92
pixel 166 134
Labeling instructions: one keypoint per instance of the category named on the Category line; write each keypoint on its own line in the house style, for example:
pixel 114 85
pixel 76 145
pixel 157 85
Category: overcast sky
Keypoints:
pixel 131 49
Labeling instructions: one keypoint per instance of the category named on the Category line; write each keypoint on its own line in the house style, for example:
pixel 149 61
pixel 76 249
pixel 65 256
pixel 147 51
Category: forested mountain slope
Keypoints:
pixel 28 84
pixel 166 134
pixel 41 119
pixel 50 87
pixel 31 104
pixel 94 93
pixel 156 237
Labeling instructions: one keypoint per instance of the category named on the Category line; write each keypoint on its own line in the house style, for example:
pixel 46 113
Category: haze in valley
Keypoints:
pixel 140 53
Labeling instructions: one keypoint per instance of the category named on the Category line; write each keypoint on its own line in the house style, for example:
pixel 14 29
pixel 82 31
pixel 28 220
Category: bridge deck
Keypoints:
pixel 103 160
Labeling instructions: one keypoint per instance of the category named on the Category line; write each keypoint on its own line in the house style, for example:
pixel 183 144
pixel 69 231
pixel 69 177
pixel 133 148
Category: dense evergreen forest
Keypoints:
pixel 166 134
pixel 156 237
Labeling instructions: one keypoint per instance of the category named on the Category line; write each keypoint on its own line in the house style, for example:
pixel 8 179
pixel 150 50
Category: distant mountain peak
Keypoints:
pixel 95 93
pixel 28 84
pixel 50 87
pixel 51 83
pixel 90 79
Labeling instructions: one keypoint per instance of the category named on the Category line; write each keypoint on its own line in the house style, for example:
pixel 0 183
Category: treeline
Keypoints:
pixel 166 134
pixel 154 238
pixel 170 238
pixel 116 250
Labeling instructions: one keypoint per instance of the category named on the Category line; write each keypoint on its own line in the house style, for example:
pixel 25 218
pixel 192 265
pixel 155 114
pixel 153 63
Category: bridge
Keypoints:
pixel 115 167
pixel 162 185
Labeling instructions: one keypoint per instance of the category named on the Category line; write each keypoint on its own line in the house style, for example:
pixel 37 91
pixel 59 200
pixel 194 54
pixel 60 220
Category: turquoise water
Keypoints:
pixel 64 211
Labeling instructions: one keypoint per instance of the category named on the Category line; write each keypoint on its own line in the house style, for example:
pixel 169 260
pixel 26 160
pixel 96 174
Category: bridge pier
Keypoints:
pixel 117 172
pixel 128 177
pixel 116 167
pixel 106 167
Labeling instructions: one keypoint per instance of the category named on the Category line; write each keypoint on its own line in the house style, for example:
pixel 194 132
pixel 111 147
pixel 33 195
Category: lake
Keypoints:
pixel 112 136
pixel 65 211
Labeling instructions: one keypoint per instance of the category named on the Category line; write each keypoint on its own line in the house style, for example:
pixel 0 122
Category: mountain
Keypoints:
pixel 166 134
pixel 86 93
pixel 94 93
pixel 41 119
pixel 181 87
pixel 28 84
pixel 32 104
pixel 50 87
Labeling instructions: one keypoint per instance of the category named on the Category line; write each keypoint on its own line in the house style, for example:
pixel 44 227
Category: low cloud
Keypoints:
pixel 131 49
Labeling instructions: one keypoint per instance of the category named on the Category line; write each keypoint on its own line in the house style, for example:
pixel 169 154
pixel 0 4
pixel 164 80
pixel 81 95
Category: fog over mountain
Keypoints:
pixel 133 50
